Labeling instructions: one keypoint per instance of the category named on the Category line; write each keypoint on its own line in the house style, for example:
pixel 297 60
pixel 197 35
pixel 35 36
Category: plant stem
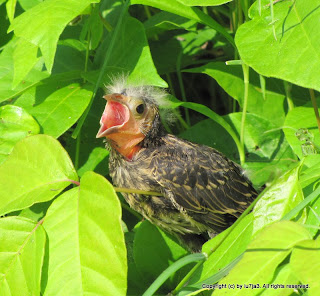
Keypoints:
pixel 183 93
pixel 186 278
pixel 102 70
pixel 137 191
pixel 245 69
pixel 77 156
pixel 315 107
pixel 287 89
pixel 172 269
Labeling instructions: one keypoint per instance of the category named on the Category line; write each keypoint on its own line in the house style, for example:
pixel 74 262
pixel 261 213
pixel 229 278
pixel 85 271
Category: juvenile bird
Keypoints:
pixel 202 191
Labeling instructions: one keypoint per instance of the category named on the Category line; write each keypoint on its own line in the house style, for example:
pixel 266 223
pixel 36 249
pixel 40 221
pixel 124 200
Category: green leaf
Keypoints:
pixel 27 4
pixel 24 59
pixel 7 74
pixel 165 21
pixel 37 170
pixel 97 155
pixel 131 54
pixel 61 109
pixel 154 251
pixel 283 276
pixel 310 171
pixel 230 78
pixel 203 2
pixel 305 262
pixel 268 155
pixel 280 197
pixel 300 117
pixel 87 252
pixel 45 29
pixel 269 248
pixel 192 13
pixel 232 247
pixel 15 125
pixel 293 54
pixel 22 245
pixel 11 8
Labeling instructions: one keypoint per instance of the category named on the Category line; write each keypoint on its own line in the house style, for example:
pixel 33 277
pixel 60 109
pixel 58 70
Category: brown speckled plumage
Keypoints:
pixel 203 191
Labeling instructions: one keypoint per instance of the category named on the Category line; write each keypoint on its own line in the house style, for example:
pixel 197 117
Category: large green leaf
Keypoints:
pixel 268 154
pixel 293 54
pixel 22 245
pixel 257 266
pixel 230 78
pixel 232 247
pixel 192 13
pixel 154 251
pixel 87 253
pixel 37 170
pixel 305 262
pixel 131 54
pixel 282 196
pixel 7 74
pixel 61 109
pixel 43 24
pixel 283 276
pixel 15 125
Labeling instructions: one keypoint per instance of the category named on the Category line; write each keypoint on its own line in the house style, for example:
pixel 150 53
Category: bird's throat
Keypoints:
pixel 126 144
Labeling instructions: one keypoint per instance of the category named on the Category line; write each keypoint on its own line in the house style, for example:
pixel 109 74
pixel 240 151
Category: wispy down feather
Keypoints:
pixel 155 95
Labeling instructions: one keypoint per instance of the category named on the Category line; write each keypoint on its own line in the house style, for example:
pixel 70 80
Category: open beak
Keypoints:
pixel 115 115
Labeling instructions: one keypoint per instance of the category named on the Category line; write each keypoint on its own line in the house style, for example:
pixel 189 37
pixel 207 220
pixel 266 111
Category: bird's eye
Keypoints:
pixel 140 108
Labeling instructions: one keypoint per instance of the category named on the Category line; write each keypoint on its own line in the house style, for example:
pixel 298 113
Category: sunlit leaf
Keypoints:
pixel 86 242
pixel 292 54
pixel 22 245
pixel 15 125
pixel 257 266
pixel 61 109
pixel 281 197
pixel 301 117
pixel 45 29
pixel 37 170
pixel 305 262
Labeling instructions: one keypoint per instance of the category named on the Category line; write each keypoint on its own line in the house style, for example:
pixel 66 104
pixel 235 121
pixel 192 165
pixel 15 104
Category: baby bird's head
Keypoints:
pixel 129 116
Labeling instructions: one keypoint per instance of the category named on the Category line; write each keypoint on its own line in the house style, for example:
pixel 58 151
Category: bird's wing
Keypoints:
pixel 203 183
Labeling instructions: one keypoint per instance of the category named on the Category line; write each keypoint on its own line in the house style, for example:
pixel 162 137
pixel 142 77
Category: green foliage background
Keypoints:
pixel 245 77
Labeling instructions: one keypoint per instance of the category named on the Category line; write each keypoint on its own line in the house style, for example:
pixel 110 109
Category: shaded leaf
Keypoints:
pixel 192 13
pixel 159 251
pixel 230 78
pixel 86 242
pixel 293 54
pixel 22 245
pixel 37 170
pixel 15 125
pixel 131 54
pixel 203 2
pixel 97 155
